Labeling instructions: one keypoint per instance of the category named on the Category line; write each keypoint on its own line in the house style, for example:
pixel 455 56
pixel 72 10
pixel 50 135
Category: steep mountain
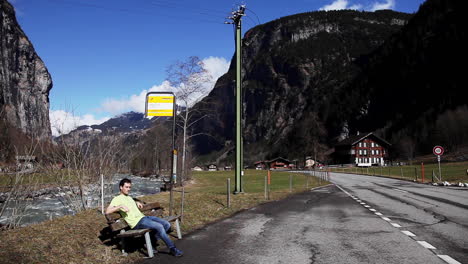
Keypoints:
pixel 413 89
pixel 24 80
pixel 313 79
pixel 292 69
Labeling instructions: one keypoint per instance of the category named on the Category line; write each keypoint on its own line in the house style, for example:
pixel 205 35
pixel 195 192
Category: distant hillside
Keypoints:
pixel 313 79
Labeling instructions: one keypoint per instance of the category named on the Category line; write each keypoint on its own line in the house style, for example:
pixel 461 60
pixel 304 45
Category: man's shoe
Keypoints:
pixel 176 252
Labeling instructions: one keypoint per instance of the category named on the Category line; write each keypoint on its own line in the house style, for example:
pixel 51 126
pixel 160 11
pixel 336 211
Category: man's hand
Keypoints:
pixel 140 205
pixel 124 208
pixel 113 209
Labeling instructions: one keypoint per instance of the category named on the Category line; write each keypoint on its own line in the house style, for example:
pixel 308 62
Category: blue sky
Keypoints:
pixel 104 55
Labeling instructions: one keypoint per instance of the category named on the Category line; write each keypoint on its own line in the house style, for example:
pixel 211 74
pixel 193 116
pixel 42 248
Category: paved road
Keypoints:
pixel 434 214
pixel 324 225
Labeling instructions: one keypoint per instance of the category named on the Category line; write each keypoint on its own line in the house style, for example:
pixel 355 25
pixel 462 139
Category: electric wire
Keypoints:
pixel 251 11
pixel 134 11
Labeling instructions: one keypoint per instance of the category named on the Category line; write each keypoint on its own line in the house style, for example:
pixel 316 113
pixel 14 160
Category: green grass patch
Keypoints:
pixel 76 239
pixel 451 172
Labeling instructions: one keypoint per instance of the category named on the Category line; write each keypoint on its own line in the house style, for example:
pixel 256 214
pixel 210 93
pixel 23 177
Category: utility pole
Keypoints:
pixel 236 20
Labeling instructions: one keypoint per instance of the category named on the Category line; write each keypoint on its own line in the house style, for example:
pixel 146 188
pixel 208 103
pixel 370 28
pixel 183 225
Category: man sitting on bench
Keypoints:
pixel 129 210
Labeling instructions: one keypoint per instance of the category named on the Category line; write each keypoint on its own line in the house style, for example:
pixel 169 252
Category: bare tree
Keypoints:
pixel 192 82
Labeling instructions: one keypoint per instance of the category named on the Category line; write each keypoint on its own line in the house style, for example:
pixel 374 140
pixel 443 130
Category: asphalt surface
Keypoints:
pixel 434 214
pixel 324 225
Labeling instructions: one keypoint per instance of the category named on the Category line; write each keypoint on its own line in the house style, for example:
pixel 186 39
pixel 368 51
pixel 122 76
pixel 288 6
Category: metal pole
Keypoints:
pixel 266 183
pixel 228 192
pixel 102 193
pixel 239 169
pixel 440 172
pixel 173 160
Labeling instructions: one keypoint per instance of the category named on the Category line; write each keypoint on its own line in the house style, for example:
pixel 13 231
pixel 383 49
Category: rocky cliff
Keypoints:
pixel 24 80
pixel 292 67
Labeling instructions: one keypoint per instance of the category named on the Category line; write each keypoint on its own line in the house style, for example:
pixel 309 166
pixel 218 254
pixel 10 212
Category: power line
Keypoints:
pixel 135 11
pixel 251 11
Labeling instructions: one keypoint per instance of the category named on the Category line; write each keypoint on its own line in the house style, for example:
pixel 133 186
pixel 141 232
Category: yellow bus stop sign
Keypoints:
pixel 160 104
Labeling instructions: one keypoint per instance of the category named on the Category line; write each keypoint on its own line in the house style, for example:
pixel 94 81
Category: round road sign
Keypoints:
pixel 438 150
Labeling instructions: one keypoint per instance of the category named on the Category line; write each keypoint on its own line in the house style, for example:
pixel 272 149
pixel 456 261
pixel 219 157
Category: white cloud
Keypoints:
pixel 345 4
pixel 388 4
pixel 62 122
pixel 216 67
pixel 336 5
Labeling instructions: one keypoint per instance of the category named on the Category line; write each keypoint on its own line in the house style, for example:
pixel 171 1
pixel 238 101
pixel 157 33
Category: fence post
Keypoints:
pixel 401 170
pixel 416 174
pixel 102 194
pixel 266 183
pixel 269 183
pixel 182 204
pixel 422 171
pixel 290 183
pixel 228 192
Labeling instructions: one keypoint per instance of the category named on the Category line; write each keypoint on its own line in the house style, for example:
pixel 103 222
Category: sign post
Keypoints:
pixel 438 151
pixel 163 104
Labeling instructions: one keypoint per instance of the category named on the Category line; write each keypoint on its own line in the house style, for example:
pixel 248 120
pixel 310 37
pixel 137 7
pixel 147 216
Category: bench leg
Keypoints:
pixel 122 244
pixel 179 234
pixel 149 247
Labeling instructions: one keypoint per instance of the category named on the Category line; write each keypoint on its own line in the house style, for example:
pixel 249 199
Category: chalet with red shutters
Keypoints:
pixel 363 150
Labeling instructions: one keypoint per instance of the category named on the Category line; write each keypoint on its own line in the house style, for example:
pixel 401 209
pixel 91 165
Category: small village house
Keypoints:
pixel 25 162
pixel 197 168
pixel 274 164
pixel 212 167
pixel 363 150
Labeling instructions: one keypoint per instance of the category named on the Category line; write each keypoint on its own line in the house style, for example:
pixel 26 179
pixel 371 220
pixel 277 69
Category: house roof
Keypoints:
pixel 279 158
pixel 353 140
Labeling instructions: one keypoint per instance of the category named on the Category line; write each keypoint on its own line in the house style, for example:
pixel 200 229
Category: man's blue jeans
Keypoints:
pixel 159 226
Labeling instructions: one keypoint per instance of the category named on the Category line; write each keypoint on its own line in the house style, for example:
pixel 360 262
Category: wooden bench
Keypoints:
pixel 118 224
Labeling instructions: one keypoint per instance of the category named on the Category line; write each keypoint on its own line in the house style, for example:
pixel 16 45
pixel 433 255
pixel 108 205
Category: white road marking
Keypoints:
pixel 366 206
pixel 373 210
pixel 386 219
pixel 379 214
pixel 426 245
pixel 363 203
pixel 408 233
pixel 395 225
pixel 399 190
pixel 448 259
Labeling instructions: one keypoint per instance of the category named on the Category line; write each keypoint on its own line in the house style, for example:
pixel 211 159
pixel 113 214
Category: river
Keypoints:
pixel 54 204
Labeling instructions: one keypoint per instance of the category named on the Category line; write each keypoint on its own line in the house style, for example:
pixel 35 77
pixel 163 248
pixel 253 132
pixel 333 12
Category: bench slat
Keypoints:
pixel 133 233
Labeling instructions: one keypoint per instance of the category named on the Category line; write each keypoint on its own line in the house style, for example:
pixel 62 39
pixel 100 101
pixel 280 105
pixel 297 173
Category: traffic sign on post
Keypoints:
pixel 438 150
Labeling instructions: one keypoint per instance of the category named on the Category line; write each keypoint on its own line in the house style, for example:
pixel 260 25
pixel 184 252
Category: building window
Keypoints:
pixel 372 144
pixel 377 152
pixel 365 152
pixel 360 144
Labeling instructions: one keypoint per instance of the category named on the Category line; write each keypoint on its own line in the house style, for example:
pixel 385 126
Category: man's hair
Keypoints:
pixel 124 181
